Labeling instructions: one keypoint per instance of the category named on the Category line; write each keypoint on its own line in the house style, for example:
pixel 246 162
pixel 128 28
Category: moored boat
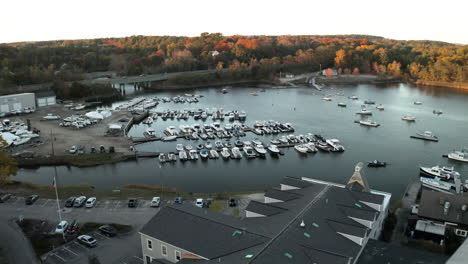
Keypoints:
pixel 459 155
pixel 376 163
pixel 426 135
pixel 301 148
pixel 225 153
pixel 369 123
pixel 444 173
pixel 409 118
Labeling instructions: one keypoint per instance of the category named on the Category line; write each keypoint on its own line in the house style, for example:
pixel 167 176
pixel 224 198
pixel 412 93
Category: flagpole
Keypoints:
pixel 55 179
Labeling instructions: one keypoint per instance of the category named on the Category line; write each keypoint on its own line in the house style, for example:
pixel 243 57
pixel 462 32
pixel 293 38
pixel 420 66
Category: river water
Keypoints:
pixel 305 109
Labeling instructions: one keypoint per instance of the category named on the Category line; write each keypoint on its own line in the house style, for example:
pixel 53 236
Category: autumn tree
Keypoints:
pixel 7 164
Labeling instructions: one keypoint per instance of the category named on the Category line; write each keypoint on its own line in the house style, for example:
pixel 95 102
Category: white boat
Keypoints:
pixel 260 149
pixel 150 132
pixel 236 153
pixel 179 147
pixel 214 153
pixel 249 152
pixel 162 158
pixel 208 145
pixel 193 154
pixel 426 135
pixel 51 117
pixel 283 140
pixel 437 112
pixel 148 120
pixel 409 118
pixel 353 97
pixel 311 147
pixel 169 138
pixel 301 149
pixel 380 107
pixel 436 184
pixel 460 155
pixel 256 141
pixel 364 111
pixel 335 145
pixel 204 153
pixel 80 107
pixel 417 102
pixel 273 149
pixel 326 98
pixel 182 155
pixel 21 140
pixel 225 153
pixel 369 123
pixel 218 144
pixel 440 172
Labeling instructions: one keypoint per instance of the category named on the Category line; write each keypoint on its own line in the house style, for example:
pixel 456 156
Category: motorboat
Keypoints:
pixel 311 147
pixel 426 135
pixel 249 152
pixel 380 107
pixel 437 112
pixel 179 147
pixel 444 173
pixel 292 138
pixel 369 123
pixel 169 138
pixel 256 141
pixel 218 144
pixel 188 147
pixel 460 155
pixel 301 148
pixel 376 163
pixel 364 111
pixel 353 97
pixel 162 158
pixel 275 142
pixel 204 153
pixel 369 102
pixel 323 146
pixel 242 115
pixel 150 132
pixel 193 154
pixel 326 98
pixel 260 149
pixel 335 145
pixel 435 184
pixel 238 143
pixel 51 117
pixel 274 150
pixel 171 157
pixel 284 140
pixel 148 121
pixel 214 154
pixel 225 153
pixel 340 104
pixel 417 102
pixel 182 155
pixel 236 153
pixel 208 145
pixel 409 118
pixel 171 131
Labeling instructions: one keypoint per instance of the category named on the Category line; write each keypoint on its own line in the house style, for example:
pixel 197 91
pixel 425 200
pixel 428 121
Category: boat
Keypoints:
pixel 224 91
pixel 162 158
pixel 335 145
pixel 218 144
pixel 214 154
pixel 321 145
pixel 150 133
pixel 284 140
pixel 409 118
pixel 326 98
pixel 204 153
pixel 260 149
pixel 369 102
pixel 236 153
pixel 238 143
pixel 274 150
pixel 426 135
pixel 364 111
pixel 148 121
pixel 253 94
pixel 369 123
pixel 256 141
pixel 242 115
pixel 461 155
pixel 435 184
pixel 193 154
pixel 171 157
pixel 353 97
pixel 225 153
pixel 341 104
pixel 437 112
pixel 311 147
pixel 51 117
pixel 188 147
pixel 169 138
pixel 301 149
pixel 380 107
pixel 376 163
pixel 179 147
pixel 444 173
pixel 275 142
pixel 417 102
pixel 249 152
pixel 182 155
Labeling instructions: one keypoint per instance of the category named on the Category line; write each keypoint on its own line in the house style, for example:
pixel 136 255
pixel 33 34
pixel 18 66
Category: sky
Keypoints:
pixel 33 20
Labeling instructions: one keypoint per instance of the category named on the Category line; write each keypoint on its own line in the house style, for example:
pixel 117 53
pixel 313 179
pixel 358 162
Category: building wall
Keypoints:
pixel 285 187
pixel 12 102
pixel 252 214
pixel 272 200
pixel 44 101
pixel 156 251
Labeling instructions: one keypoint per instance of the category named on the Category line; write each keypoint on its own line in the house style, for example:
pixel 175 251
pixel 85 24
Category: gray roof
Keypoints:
pixel 282 195
pixel 295 182
pixel 264 209
pixel 44 94
pixel 202 232
pixel 430 207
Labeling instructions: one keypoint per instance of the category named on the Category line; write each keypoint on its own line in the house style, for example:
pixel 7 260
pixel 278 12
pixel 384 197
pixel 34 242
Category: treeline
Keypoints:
pixel 38 62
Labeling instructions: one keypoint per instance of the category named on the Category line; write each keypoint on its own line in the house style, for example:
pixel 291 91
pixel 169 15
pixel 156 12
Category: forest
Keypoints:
pixel 67 60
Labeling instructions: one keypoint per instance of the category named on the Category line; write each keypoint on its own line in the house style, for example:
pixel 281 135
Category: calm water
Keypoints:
pixel 303 108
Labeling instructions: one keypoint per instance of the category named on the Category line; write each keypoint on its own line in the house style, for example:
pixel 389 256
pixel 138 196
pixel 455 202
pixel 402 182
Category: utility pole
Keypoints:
pixel 52 138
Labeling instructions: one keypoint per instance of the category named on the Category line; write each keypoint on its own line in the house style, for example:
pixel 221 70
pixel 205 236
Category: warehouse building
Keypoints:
pixel 45 98
pixel 17 102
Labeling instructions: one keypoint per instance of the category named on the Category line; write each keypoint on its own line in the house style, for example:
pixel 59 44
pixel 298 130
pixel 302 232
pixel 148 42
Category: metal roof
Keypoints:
pixel 282 195
pixel 430 207
pixel 264 209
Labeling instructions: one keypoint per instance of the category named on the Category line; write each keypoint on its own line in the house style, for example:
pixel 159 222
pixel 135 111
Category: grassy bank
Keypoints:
pixel 457 85
pixel 86 160
pixel 140 191
pixel 356 79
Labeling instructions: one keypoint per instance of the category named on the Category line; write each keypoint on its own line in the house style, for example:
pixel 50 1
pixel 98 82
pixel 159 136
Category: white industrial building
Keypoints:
pixel 45 98
pixel 17 102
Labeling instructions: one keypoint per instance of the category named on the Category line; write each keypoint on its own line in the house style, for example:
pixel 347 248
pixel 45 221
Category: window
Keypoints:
pixel 163 250
pixel 149 244
pixel 460 232
pixel 177 255
pixel 148 259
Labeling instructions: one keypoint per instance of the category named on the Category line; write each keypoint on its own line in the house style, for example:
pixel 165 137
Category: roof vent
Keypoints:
pixel 302 224
pixel 446 207
pixel 441 201
pixel 463 208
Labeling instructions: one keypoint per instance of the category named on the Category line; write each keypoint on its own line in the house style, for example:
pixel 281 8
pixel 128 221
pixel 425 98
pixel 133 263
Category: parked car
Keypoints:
pixel 73 149
pixel 108 230
pixel 111 149
pixel 79 201
pixel 155 202
pixel 31 199
pixel 232 202
pixel 87 240
pixel 73 228
pixel 178 200
pixel 5 197
pixel 132 202
pixel 61 227
pixel 81 150
pixel 102 149
pixel 69 202
pixel 200 202
pixel 93 150
pixel 91 202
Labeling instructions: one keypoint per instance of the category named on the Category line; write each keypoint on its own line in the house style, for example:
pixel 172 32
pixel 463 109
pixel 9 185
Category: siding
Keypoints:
pixel 155 252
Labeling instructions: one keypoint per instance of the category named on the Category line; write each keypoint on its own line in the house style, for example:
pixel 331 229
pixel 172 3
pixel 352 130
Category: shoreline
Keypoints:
pixel 457 85
pixel 81 161
pixel 211 85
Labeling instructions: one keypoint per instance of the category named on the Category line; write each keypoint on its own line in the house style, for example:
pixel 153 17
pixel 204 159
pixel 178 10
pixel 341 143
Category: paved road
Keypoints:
pixel 15 245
